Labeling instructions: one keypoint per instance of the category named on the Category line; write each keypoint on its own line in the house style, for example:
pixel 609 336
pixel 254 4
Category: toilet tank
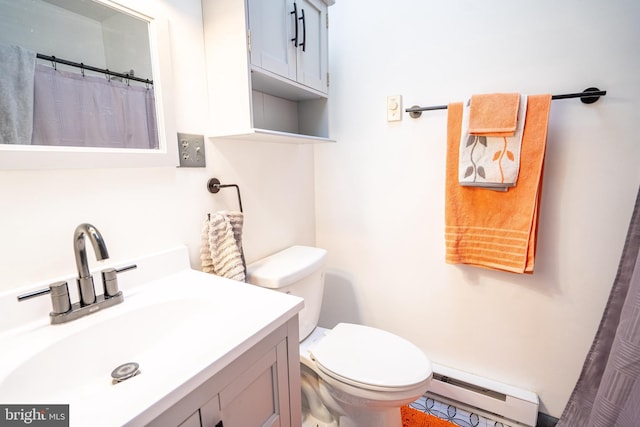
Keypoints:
pixel 299 271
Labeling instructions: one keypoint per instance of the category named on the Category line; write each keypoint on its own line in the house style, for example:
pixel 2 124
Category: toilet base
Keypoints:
pixel 353 411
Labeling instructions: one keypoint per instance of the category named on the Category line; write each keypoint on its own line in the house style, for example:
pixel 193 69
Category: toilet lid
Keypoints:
pixel 368 356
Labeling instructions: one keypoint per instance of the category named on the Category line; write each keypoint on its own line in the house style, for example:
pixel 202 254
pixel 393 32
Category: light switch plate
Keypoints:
pixel 394 108
pixel 191 150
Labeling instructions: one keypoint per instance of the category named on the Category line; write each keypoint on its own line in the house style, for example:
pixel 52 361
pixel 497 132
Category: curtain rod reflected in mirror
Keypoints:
pixel 129 76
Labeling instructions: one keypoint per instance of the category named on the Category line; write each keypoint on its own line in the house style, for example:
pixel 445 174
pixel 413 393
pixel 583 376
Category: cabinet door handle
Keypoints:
pixel 295 21
pixel 304 31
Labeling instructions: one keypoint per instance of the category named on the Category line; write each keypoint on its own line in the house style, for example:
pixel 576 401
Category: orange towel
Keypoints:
pixel 492 229
pixel 494 114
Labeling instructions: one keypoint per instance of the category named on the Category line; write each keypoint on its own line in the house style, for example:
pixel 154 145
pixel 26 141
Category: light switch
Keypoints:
pixel 394 108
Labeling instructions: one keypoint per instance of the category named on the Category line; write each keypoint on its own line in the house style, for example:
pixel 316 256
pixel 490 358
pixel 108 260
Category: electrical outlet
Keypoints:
pixel 191 150
pixel 394 108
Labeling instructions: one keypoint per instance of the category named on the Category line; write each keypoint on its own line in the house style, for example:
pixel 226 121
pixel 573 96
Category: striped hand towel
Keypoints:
pixel 221 252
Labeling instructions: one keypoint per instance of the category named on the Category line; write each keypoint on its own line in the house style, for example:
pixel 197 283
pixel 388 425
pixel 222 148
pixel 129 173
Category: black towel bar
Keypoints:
pixel 588 96
pixel 213 185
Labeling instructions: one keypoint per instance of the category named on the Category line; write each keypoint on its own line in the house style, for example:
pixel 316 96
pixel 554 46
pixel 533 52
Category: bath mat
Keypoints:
pixel 414 418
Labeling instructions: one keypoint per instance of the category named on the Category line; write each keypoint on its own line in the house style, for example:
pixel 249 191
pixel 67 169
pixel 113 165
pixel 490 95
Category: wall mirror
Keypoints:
pixel 101 85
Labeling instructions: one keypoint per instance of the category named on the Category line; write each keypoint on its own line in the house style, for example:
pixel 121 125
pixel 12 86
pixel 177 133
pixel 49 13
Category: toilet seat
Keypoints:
pixel 371 358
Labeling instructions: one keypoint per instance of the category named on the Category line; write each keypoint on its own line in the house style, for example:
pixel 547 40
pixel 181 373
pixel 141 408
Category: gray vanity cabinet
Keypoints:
pixel 261 388
pixel 257 397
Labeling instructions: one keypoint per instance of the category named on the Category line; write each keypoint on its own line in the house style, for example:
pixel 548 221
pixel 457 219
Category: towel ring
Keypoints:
pixel 213 185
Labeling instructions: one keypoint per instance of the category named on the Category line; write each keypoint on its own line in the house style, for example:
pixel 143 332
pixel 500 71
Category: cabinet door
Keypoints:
pixel 312 61
pixel 277 26
pixel 210 413
pixel 192 421
pixel 259 397
pixel 272 28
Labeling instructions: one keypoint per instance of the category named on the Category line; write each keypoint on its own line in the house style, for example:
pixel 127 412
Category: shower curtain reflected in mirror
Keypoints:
pixel 607 393
pixel 76 110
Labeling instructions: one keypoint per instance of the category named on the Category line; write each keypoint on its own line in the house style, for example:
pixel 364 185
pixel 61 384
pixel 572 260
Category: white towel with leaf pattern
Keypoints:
pixel 490 161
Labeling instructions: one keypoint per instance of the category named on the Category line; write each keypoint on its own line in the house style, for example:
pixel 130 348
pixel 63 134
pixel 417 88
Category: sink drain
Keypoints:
pixel 124 372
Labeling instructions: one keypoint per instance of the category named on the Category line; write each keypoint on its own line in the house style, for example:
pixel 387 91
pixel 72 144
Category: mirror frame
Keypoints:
pixel 29 157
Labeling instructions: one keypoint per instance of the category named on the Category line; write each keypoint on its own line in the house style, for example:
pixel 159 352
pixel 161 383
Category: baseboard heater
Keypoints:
pixel 491 399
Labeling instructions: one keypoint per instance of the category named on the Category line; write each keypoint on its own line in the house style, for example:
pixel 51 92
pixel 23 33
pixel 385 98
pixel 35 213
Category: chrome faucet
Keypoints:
pixel 85 281
pixel 63 310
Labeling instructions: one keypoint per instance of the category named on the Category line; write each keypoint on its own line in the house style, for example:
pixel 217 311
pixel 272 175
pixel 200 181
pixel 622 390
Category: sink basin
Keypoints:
pixel 180 325
pixel 82 362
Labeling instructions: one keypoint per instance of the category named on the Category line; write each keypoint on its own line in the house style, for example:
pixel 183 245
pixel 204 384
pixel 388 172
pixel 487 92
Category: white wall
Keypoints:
pixel 380 189
pixel 142 210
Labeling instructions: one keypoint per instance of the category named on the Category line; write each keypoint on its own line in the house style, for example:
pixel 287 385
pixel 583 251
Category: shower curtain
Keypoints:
pixel 74 110
pixel 607 393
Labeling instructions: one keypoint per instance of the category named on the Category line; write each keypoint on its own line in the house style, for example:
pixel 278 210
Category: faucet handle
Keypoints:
pixel 59 297
pixel 110 279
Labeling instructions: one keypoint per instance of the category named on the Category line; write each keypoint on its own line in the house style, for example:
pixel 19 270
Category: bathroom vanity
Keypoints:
pixel 253 390
pixel 211 351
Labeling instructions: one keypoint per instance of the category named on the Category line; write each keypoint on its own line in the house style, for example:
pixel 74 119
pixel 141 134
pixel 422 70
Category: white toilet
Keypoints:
pixel 352 375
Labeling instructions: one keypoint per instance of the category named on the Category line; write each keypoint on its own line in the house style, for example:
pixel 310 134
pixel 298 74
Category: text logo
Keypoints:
pixel 34 415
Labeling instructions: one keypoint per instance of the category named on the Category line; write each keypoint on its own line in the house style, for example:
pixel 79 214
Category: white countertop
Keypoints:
pixel 182 326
